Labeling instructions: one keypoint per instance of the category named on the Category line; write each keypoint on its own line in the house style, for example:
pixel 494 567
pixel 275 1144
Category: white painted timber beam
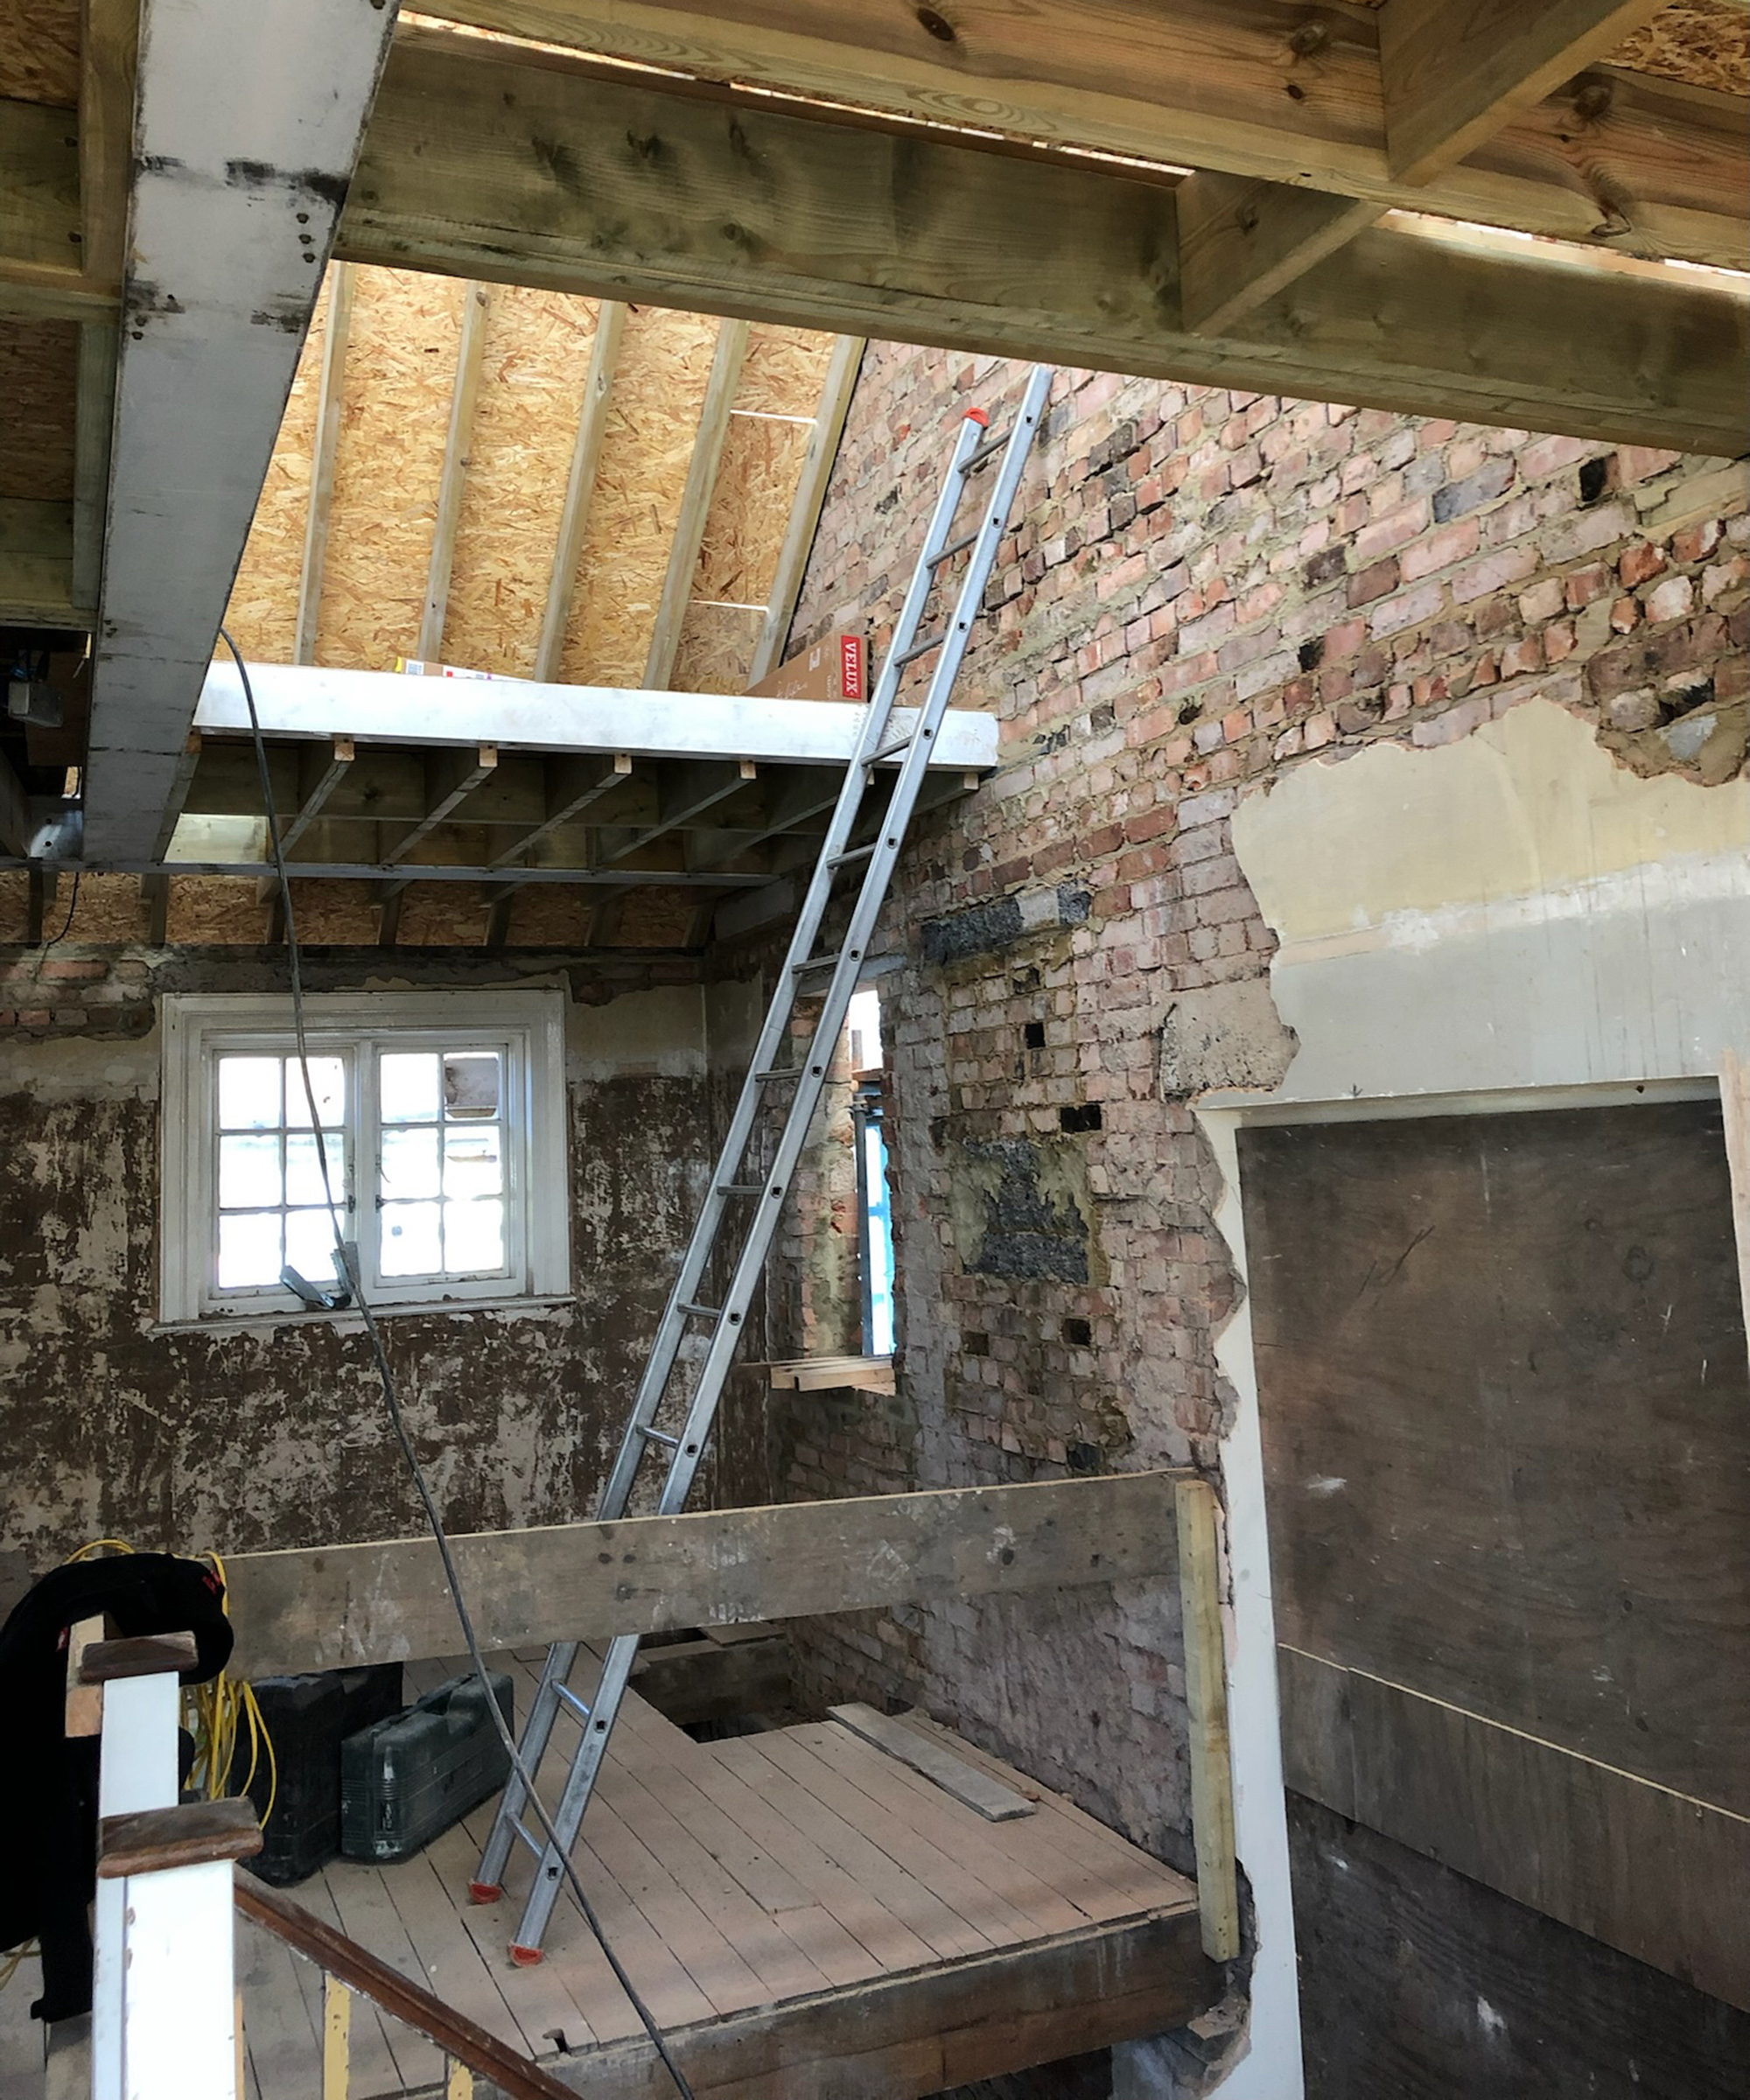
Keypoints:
pixel 386 707
pixel 249 119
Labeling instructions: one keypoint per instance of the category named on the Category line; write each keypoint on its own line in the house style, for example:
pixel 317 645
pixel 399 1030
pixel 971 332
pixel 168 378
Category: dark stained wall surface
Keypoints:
pixel 257 1437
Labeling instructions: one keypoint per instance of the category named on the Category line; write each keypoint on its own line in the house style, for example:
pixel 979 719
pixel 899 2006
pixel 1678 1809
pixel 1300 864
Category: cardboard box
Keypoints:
pixel 836 669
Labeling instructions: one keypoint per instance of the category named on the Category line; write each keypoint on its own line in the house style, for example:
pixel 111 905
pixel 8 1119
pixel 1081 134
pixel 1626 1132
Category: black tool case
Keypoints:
pixel 307 1719
pixel 405 1782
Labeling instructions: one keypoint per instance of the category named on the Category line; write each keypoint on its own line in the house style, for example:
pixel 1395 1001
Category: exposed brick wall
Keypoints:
pixel 1199 589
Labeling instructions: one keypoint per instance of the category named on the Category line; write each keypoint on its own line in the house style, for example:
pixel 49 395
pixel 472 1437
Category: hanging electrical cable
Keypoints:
pixel 346 1269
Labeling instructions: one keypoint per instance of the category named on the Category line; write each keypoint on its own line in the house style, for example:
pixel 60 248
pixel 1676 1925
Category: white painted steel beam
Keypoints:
pixel 250 118
pixel 386 707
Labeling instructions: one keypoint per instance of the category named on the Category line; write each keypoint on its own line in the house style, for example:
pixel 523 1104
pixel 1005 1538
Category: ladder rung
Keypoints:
pixel 816 962
pixel 843 860
pixel 983 452
pixel 888 750
pixel 921 649
pixel 703 1311
pixel 952 548
pixel 659 1436
pixel 570 1697
pixel 741 1188
pixel 778 1072
pixel 537 1845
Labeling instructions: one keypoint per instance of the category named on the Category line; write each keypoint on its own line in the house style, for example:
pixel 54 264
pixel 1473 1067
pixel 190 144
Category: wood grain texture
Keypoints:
pixel 810 499
pixel 695 501
pixel 580 488
pixel 1452 72
pixel 329 1608
pixel 1267 89
pixel 1416 1984
pixel 1205 1704
pixel 986 1796
pixel 1505 1424
pixel 535 170
pixel 1650 1872
pixel 193 1833
pixel 1241 242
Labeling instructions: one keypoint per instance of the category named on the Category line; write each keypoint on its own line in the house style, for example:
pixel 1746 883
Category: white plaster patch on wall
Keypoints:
pixel 65 1068
pixel 659 1034
pixel 1514 909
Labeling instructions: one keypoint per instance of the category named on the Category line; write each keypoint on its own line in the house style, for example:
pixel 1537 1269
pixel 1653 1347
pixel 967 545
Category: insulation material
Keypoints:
pixel 40 52
pixel 401 371
pixel 263 614
pixel 1700 42
pixel 537 359
pixel 658 387
pixel 38 385
pixel 716 649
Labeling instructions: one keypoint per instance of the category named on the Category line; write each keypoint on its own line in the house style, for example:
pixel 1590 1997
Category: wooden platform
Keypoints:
pixel 804 1914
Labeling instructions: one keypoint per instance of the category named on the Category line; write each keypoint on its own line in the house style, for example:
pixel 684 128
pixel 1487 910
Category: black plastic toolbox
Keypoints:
pixel 405 1782
pixel 307 1719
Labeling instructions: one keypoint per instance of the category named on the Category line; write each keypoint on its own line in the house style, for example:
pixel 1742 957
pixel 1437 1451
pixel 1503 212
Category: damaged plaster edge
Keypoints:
pixel 551 1309
pixel 62 1069
pixel 655 1031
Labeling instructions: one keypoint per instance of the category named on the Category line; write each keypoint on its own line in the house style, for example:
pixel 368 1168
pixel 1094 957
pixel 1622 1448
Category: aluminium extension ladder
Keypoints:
pixel 737 1181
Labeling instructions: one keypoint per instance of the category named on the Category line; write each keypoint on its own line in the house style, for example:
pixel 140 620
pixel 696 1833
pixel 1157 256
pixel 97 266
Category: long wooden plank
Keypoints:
pixel 1656 1873
pixel 1242 242
pixel 978 1790
pixel 1734 1105
pixel 330 400
pixel 695 499
pixel 331 1606
pixel 763 213
pixel 1452 72
pixel 365 1912
pixel 809 500
pixel 902 2037
pixel 1267 89
pixel 1205 1702
pixel 580 488
pixel 453 479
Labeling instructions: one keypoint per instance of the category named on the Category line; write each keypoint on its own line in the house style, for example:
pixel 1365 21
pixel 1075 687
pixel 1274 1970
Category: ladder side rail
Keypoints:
pixel 537 1730
pixel 616 1495
pixel 697 1430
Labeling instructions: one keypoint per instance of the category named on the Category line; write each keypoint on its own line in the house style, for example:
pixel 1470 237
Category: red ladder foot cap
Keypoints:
pixel 525 1957
pixel 484 1892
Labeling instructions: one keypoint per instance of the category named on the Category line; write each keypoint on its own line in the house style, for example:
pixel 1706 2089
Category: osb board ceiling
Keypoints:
pixel 1703 43
pixel 40 52
pixel 397 381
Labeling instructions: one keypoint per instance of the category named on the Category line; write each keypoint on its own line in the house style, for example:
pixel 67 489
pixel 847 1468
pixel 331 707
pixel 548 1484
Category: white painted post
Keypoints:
pixel 137 1771
pixel 178 2021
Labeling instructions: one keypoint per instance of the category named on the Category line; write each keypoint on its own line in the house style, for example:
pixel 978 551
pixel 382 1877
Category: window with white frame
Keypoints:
pixel 436 1146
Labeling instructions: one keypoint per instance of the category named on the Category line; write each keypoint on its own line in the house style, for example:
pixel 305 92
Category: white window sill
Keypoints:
pixel 349 1322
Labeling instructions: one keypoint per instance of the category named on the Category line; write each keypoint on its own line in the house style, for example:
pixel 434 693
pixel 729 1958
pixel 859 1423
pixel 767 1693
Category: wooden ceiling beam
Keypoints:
pixel 330 773
pixel 325 450
pixel 763 214
pixel 695 501
pixel 1241 242
pixel 580 488
pixel 573 785
pixel 685 793
pixel 36 565
pixel 1453 71
pixel 451 778
pixel 1271 89
pixel 453 479
pixel 837 388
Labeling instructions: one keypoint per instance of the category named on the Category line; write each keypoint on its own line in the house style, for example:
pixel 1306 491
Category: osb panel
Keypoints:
pixel 1702 43
pixel 38 386
pixel 749 510
pixel 215 910
pixel 263 614
pixel 654 918
pixel 110 908
pixel 716 649
pixel 442 915
pixel 536 361
pixel 785 370
pixel 553 915
pixel 400 372
pixel 653 414
pixel 40 52
pixel 335 914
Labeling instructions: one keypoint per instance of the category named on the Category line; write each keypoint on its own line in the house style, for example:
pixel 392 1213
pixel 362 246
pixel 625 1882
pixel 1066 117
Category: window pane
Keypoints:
pixel 249 1173
pixel 303 1167
pixel 473 1238
pixel 409 1240
pixel 470 1083
pixel 248 1092
pixel 309 1246
pixel 248 1250
pixel 473 1161
pixel 328 1083
pixel 408 1080
pixel 410 1163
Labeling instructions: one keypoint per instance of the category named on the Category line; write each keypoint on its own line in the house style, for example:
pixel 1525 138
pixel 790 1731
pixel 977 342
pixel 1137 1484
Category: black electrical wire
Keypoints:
pixel 72 906
pixel 347 1267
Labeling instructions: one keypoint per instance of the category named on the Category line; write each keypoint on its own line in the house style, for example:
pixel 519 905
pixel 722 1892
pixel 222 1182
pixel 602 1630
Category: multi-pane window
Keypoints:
pixel 440 1120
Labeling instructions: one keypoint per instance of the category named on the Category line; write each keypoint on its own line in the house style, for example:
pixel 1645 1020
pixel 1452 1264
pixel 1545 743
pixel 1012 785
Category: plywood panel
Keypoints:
pixel 658 389
pixel 40 52
pixel 401 366
pixel 784 370
pixel 1504 1388
pixel 263 614
pixel 537 356
pixel 1699 42
pixel 39 382
pixel 762 461
pixel 1416 1984
pixel 716 649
